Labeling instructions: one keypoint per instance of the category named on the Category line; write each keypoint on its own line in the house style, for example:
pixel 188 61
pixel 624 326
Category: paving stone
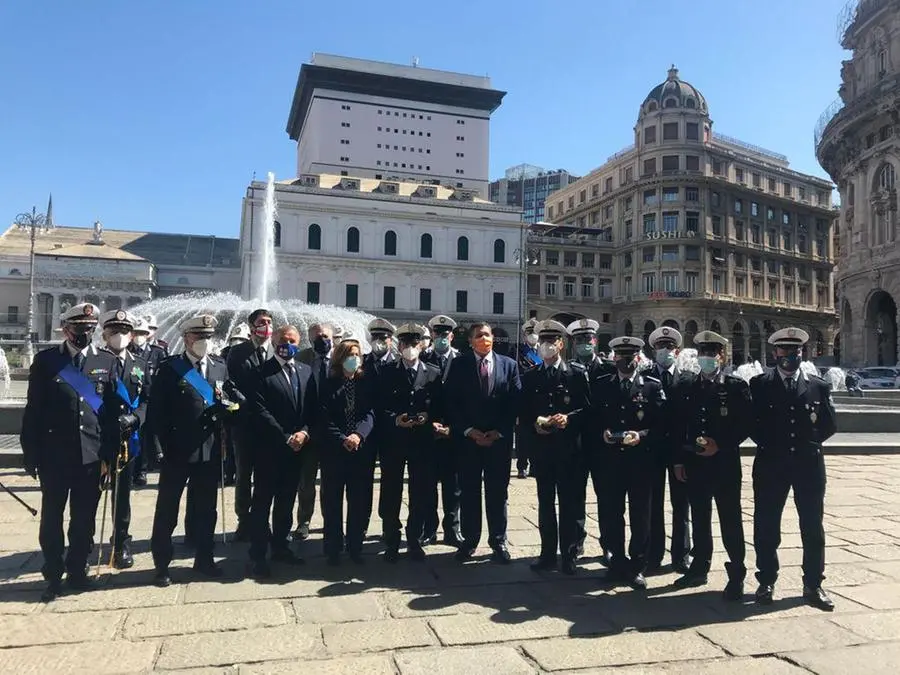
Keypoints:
pixel 725 666
pixel 890 569
pixel 89 658
pixel 248 589
pixel 19 602
pixel 863 537
pixel 217 649
pixel 478 629
pixel 793 557
pixel 203 618
pixel 480 600
pixel 881 626
pixel 117 597
pixel 876 596
pixel 874 659
pixel 378 664
pixel 371 636
pixel 864 523
pixel 46 628
pixel 747 638
pixel 493 660
pixel 877 551
pixel 360 607
pixel 620 649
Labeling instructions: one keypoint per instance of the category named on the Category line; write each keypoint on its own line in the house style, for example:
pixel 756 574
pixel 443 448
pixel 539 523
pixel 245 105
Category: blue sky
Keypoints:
pixel 154 115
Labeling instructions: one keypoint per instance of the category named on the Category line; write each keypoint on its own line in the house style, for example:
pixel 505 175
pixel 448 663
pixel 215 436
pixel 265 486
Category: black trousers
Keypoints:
pixel 446 476
pixel 558 473
pixel 80 486
pixel 523 451
pixel 204 476
pixel 121 494
pixel 594 467
pixel 138 465
pixel 627 476
pixel 277 473
pixel 681 527
pixel 489 466
pixel 343 473
pixel 306 483
pixel 244 455
pixel 717 478
pixel 400 452
pixel 774 473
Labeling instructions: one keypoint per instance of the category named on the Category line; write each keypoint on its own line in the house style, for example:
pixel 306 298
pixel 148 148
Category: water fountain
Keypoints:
pixel 4 375
pixel 270 272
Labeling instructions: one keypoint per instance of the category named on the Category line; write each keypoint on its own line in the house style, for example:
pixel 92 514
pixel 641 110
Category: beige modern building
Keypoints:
pixel 691 229
pixel 858 144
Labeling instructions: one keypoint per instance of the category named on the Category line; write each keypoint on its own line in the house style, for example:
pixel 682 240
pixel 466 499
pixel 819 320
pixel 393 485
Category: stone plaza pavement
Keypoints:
pixel 442 617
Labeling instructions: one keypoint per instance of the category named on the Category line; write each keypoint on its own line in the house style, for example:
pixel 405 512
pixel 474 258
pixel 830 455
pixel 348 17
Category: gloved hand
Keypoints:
pixel 128 422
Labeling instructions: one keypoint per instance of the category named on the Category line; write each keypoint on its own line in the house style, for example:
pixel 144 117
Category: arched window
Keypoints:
pixel 886 177
pixel 670 103
pixel 276 234
pixel 690 103
pixel 651 106
pixel 627 329
pixel 499 251
pixel 314 237
pixel 390 243
pixel 353 240
pixel 425 245
pixel 715 327
pixel 462 248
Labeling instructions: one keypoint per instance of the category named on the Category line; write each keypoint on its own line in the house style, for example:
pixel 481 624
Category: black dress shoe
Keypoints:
pixel 391 555
pixel 162 579
pixel 301 533
pixel 568 567
pixel 123 560
pixel 543 565
pixel 260 570
pixel 452 540
pixel 53 591
pixel 816 597
pixel 638 582
pixel 242 533
pixel 501 556
pixel 80 582
pixel 140 479
pixel 287 557
pixel 208 569
pixel 682 566
pixel 430 540
pixel 464 553
pixel 416 553
pixel 734 591
pixel 691 580
pixel 605 558
pixel 765 594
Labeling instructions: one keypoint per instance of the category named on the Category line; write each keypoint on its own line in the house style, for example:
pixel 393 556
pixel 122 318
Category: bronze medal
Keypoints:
pixel 640 415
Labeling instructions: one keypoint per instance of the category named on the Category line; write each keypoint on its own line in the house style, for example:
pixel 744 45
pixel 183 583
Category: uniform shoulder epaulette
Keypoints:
pixel 732 376
pixel 817 378
pixel 650 378
pixel 605 377
pixel 577 365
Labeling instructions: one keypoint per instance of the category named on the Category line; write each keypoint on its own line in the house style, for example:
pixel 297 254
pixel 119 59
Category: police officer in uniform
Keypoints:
pixel 793 416
pixel 141 347
pixel 188 404
pixel 628 412
pixel 712 416
pixel 239 335
pixel 153 326
pixel 383 354
pixel 584 337
pixel 445 471
pixel 133 390
pixel 665 342
pixel 528 358
pixel 408 405
pixel 381 339
pixel 554 398
pixel 65 440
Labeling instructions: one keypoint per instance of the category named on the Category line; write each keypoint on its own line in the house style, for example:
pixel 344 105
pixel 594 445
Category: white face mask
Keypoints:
pixel 139 340
pixel 548 350
pixel 410 353
pixel 200 347
pixel 531 339
pixel 118 341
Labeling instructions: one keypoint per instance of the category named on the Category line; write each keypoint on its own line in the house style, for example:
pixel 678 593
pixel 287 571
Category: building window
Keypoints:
pixel 739 287
pixel 587 261
pixel 353 240
pixel 550 287
pixel 425 246
pixel 670 131
pixel 692 221
pixel 771 182
pixel 390 243
pixel 715 199
pixel 551 258
pixel 352 295
pixel 788 189
pixel 773 291
pixel 692 131
pixel 276 234
pixel 648 254
pixel 425 299
pixel 739 175
pixel 649 197
pixel 587 287
pixel 757 180
pixel 498 303
pixel 738 206
pixel 649 134
pixel 570 259
pixel 569 287
pixel 669 254
pixel 389 297
pixel 629 174
pixel 670 281
pixel 717 167
pixel 717 226
pixel 670 221
pixel 670 163
pixel 607 185
pixel 691 194
pixel 754 209
pixel 755 234
pixel 462 248
pixel 312 292
pixel 649 167
pixel 757 289
pixel 739 230
pixel 690 282
pixel 462 301
pixel 670 194
pixel 785 218
pixel 499 251
pixel 649 223
pixel 786 237
pixel 692 163
pixel 770 213
pixel 886 177
pixel 648 282
pixel 692 253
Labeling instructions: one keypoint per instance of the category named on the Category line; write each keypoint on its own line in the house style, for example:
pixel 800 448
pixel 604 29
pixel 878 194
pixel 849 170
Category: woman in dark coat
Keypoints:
pixel 347 400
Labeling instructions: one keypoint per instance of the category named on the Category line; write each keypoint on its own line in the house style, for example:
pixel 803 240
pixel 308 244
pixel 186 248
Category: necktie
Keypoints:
pixel 443 360
pixel 626 386
pixel 293 378
pixel 791 385
pixel 411 374
pixel 484 376
pixel 121 369
pixel 261 355
pixel 78 360
pixel 200 368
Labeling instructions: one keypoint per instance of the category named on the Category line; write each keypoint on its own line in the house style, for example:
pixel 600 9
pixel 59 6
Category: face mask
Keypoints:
pixel 379 347
pixel 410 353
pixel 263 332
pixel 441 345
pixel 80 338
pixel 708 364
pixel 625 365
pixel 665 357
pixel 322 345
pixel 286 351
pixel 790 363
pixel 484 343
pixel 118 341
pixel 351 364
pixel 139 340
pixel 200 347
pixel 585 352
pixel 548 350
pixel 531 339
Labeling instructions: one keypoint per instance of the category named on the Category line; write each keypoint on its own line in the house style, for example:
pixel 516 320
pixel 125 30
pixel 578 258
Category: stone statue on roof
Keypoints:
pixel 98 232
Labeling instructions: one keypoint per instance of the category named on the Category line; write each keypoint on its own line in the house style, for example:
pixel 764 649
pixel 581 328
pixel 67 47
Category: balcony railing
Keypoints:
pixel 825 118
pixel 854 14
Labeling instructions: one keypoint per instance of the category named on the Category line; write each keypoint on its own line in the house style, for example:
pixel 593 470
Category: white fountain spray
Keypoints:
pixel 270 211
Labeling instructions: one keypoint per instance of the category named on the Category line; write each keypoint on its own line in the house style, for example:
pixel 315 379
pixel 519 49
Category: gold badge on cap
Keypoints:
pixel 583 323
pixel 120 315
pixel 792 332
pixel 207 321
pixel 665 331
pixel 626 340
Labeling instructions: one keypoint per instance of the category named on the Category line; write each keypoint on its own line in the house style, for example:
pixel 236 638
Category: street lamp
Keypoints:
pixel 524 257
pixel 34 222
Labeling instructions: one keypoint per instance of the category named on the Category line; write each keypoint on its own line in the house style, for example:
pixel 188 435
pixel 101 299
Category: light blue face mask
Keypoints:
pixel 441 345
pixel 665 357
pixel 708 364
pixel 351 364
pixel 585 351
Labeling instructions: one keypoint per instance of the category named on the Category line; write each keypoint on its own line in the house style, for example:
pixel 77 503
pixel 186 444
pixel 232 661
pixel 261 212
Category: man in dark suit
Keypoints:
pixel 188 407
pixel 283 407
pixel 408 405
pixel 66 441
pixel 243 362
pixel 793 416
pixel 141 347
pixel 240 334
pixel 483 391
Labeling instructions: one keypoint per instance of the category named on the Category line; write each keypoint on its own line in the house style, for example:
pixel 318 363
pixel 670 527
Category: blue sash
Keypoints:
pixel 77 380
pixel 192 376
pixel 532 356
pixel 134 441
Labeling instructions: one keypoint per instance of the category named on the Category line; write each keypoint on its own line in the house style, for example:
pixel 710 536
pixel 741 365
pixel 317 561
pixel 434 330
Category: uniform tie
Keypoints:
pixel 484 376
pixel 791 385
pixel 626 386
pixel 121 368
pixel 411 374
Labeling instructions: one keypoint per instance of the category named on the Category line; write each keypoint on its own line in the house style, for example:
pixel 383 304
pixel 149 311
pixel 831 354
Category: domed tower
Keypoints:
pixel 673 111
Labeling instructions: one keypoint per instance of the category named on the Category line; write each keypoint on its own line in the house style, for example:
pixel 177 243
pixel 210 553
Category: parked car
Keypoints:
pixel 878 377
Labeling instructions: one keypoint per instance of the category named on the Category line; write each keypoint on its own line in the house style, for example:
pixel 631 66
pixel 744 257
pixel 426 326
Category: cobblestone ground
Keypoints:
pixel 443 617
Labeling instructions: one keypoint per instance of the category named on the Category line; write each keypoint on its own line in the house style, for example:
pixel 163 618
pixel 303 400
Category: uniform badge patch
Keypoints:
pixel 137 372
pixel 723 412
pixel 640 415
pixel 813 417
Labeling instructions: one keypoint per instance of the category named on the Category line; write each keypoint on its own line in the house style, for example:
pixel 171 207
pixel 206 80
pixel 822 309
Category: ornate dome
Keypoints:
pixel 674 93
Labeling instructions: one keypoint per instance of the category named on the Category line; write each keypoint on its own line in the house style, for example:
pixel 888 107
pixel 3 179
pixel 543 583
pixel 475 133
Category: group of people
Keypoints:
pixel 449 420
